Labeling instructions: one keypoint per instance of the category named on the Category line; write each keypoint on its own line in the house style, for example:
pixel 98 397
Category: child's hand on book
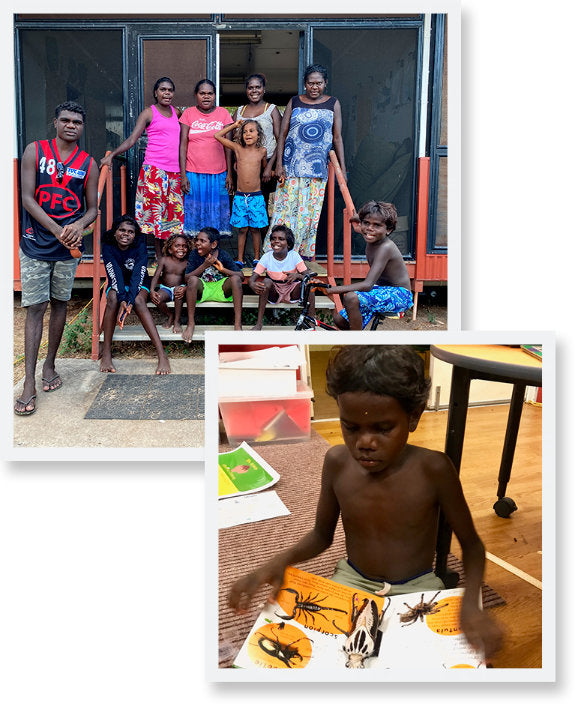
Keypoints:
pixel 244 589
pixel 481 630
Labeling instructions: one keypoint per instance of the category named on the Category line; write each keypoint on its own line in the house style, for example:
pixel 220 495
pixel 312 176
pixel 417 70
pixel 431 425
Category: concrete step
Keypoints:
pixel 136 333
pixel 250 301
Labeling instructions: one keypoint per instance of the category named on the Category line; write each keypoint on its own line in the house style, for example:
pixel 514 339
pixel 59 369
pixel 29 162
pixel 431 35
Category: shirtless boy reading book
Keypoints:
pixel 388 492
pixel 387 285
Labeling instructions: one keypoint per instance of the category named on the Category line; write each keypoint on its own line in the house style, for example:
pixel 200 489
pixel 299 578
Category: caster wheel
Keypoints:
pixel 503 507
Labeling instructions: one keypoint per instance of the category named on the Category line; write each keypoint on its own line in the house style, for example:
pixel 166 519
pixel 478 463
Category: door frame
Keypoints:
pixel 133 88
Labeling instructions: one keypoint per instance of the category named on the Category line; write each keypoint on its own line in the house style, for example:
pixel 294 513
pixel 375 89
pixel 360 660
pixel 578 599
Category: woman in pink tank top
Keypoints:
pixel 159 206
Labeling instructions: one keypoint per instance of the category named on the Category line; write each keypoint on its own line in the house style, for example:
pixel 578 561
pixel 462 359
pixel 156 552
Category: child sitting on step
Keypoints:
pixel 277 275
pixel 386 288
pixel 211 275
pixel 128 284
pixel 169 280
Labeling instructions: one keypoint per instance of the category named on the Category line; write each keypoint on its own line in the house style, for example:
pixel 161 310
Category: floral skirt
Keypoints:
pixel 297 204
pixel 207 204
pixel 159 205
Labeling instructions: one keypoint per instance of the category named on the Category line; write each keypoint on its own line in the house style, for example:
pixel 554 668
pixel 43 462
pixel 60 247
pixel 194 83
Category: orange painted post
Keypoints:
pixel 347 246
pixel 109 220
pixel 16 276
pixel 331 222
pixel 348 211
pixel 123 172
pixel 105 183
pixel 421 228
pixel 96 286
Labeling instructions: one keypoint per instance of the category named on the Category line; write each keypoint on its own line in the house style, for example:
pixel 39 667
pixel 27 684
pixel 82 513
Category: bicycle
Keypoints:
pixel 306 322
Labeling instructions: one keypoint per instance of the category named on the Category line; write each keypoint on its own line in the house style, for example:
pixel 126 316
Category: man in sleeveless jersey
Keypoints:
pixel 59 198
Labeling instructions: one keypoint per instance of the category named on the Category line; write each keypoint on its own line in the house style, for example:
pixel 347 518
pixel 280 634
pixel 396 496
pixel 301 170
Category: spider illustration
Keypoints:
pixel 306 607
pixel 273 647
pixel 419 610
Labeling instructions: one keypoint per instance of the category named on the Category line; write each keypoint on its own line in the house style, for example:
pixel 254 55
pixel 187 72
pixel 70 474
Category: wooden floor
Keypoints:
pixel 517 540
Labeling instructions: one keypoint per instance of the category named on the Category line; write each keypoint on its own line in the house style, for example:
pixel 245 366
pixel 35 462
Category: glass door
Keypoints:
pixel 378 95
pixel 155 52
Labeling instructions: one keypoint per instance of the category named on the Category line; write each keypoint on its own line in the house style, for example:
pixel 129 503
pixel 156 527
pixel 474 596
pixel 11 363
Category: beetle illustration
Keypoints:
pixel 364 637
pixel 306 607
pixel 273 646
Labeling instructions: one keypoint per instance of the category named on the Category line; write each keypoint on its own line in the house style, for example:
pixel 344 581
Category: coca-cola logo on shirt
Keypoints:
pixel 201 126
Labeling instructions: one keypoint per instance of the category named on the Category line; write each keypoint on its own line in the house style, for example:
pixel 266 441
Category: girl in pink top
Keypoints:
pixel 159 207
pixel 205 165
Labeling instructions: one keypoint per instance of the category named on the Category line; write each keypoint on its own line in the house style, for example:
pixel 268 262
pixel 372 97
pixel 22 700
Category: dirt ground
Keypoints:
pixel 429 318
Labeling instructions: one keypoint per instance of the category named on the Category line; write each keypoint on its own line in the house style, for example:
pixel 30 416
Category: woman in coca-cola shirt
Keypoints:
pixel 205 165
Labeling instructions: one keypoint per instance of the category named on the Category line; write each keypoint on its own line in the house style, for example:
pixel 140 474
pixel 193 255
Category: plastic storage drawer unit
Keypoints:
pixel 263 419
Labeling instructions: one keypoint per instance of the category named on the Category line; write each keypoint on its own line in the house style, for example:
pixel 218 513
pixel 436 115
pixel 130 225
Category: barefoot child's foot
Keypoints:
pixel 258 327
pixel 163 367
pixel 187 334
pixel 168 323
pixel 107 364
pixel 177 328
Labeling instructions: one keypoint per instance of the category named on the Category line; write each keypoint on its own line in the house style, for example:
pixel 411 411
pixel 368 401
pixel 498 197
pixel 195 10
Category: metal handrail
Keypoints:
pixel 105 185
pixel 348 212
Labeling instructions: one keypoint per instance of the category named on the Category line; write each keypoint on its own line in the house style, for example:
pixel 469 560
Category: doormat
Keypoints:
pixel 143 397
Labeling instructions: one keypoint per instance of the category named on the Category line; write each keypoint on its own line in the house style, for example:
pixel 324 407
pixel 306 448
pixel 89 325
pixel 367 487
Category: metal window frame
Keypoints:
pixel 436 150
pixel 134 31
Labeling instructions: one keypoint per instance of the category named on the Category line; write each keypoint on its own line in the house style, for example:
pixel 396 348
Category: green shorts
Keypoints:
pixel 214 292
pixel 43 280
pixel 349 576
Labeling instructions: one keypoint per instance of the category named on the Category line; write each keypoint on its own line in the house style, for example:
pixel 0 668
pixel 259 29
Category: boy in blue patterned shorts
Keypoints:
pixel 387 285
pixel 248 207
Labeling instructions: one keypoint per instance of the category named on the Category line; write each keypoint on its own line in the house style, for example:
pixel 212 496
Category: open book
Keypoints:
pixel 319 624
pixel 243 471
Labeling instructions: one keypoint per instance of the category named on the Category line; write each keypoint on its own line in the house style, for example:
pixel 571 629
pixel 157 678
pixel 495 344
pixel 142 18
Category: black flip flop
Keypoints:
pixel 26 412
pixel 45 381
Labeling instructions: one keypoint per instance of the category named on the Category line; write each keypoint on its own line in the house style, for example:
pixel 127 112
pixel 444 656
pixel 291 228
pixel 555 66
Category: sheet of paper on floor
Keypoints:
pixel 244 509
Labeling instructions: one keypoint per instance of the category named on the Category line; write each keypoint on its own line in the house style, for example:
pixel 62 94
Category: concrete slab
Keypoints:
pixel 59 420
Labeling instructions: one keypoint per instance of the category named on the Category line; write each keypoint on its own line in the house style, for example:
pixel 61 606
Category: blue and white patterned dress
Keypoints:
pixel 309 139
pixel 298 202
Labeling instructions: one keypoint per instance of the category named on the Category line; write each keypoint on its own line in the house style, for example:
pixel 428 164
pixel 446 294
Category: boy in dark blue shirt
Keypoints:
pixel 211 275
pixel 128 286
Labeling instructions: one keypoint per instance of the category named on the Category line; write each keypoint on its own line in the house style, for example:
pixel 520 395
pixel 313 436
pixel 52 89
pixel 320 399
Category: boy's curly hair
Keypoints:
pixel 171 240
pixel 391 370
pixel 261 136
pixel 386 211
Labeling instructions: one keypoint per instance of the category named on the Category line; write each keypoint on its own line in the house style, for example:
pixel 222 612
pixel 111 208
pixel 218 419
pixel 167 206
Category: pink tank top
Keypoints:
pixel 163 141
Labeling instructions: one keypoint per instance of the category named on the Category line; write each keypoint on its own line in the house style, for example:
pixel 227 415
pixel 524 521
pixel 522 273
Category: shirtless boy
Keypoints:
pixel 248 207
pixel 387 285
pixel 388 492
pixel 169 280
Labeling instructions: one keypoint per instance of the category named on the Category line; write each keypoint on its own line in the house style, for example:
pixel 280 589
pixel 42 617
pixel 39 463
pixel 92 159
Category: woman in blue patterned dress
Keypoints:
pixel 311 126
